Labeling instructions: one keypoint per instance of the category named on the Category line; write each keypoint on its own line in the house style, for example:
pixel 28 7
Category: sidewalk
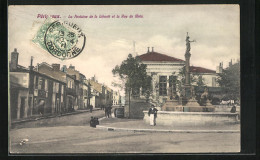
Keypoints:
pixel 138 125
pixel 35 118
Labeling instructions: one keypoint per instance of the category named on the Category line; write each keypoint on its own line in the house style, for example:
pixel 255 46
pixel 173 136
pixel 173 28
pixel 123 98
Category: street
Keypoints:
pixel 72 134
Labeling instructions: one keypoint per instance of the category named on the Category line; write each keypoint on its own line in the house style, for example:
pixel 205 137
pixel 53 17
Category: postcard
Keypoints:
pixel 124 79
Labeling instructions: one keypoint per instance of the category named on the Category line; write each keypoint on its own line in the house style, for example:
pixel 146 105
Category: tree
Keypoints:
pixel 133 74
pixel 229 81
pixel 195 79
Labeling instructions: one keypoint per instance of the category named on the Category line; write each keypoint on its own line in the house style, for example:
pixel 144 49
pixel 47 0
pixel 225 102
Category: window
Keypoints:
pixel 57 87
pixel 162 85
pixel 62 89
pixel 54 87
pixel 172 86
pixel 36 82
pixel 200 79
pixel 172 81
pixel 46 85
pixel 40 82
pixel 213 81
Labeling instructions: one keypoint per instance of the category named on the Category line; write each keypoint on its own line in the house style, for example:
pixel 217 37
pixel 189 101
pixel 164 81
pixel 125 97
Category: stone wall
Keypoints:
pixel 137 106
pixel 193 118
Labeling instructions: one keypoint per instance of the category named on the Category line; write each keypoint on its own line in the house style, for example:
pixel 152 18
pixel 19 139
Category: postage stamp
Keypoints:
pixel 62 39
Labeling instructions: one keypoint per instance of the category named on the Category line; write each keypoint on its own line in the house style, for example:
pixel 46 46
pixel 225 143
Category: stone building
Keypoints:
pixel 98 94
pixel 165 69
pixel 116 98
pixel 77 89
pixel 33 93
pixel 71 96
pixel 108 95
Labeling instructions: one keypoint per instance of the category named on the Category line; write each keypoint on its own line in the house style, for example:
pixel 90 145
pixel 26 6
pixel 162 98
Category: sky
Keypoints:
pixel 216 29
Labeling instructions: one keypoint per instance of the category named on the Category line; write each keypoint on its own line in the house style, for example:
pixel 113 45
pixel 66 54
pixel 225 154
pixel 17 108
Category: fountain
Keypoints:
pixel 187 111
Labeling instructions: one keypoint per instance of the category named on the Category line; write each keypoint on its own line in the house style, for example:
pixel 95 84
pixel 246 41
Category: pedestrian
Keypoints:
pixel 233 109
pixel 90 108
pixel 96 121
pixel 106 112
pixel 109 109
pixel 153 115
pixel 92 122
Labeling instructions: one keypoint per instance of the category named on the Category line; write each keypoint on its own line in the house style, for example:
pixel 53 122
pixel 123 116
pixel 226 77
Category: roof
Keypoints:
pixel 195 69
pixel 154 56
pixel 97 86
pixel 47 70
pixel 109 89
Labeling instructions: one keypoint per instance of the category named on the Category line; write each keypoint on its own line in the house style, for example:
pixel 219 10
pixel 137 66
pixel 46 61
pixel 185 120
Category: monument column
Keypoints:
pixel 187 84
pixel 187 68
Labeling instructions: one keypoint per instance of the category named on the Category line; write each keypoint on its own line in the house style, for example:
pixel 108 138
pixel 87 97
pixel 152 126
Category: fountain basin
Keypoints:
pixel 193 118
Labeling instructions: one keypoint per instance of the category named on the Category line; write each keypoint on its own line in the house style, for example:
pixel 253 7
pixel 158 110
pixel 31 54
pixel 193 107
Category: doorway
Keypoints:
pixel 22 107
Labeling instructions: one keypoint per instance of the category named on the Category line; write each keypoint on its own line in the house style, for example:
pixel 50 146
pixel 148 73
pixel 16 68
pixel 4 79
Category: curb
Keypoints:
pixel 165 131
pixel 51 116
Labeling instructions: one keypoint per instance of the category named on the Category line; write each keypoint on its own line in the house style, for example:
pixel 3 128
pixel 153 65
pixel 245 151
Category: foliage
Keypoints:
pixel 133 73
pixel 229 80
pixel 195 79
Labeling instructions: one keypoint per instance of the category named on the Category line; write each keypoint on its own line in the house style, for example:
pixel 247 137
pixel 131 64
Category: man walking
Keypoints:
pixel 109 109
pixel 153 115
pixel 106 112
pixel 90 108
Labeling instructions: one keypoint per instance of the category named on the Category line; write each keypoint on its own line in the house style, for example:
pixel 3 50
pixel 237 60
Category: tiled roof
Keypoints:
pixel 96 86
pixel 154 56
pixel 201 70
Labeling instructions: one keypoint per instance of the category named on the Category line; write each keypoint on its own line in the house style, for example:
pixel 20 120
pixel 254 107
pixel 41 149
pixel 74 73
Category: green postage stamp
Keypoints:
pixel 62 39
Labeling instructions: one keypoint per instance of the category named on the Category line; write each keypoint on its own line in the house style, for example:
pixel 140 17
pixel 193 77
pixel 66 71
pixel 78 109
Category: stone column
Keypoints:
pixel 187 68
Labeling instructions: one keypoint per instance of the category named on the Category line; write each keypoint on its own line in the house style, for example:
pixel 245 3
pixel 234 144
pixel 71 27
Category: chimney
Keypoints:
pixel 219 68
pixel 148 49
pixel 31 65
pixel 152 49
pixel 230 63
pixel 14 60
pixel 56 67
pixel 72 67
pixel 64 68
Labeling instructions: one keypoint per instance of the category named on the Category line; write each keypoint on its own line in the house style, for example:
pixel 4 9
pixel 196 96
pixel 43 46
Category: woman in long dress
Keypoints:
pixel 153 115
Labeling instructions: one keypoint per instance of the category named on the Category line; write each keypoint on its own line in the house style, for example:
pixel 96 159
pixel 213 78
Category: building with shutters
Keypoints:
pixel 33 93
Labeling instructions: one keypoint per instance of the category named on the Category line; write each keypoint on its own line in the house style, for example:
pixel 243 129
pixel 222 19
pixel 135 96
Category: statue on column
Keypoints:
pixel 187 67
pixel 188 43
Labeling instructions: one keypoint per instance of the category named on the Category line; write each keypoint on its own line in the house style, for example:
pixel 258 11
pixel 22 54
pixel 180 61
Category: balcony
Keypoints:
pixel 71 91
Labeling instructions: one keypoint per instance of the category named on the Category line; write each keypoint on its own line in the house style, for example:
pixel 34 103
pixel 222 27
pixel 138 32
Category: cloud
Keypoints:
pixel 109 41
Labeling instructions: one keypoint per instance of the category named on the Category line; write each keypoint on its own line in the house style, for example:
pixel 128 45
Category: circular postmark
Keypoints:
pixel 64 40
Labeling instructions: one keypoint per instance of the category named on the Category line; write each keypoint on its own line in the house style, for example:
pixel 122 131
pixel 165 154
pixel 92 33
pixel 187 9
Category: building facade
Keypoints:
pixel 165 71
pixel 33 93
pixel 116 98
